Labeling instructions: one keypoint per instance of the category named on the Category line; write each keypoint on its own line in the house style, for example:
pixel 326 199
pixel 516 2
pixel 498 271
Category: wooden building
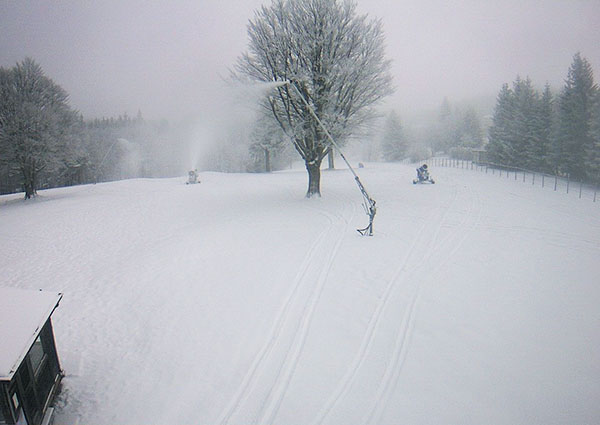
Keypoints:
pixel 30 371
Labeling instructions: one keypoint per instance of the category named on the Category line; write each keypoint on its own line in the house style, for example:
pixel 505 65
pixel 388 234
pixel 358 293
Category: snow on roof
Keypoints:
pixel 23 313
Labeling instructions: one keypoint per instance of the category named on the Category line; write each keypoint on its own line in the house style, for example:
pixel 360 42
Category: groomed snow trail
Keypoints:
pixel 237 301
pixel 427 253
pixel 311 277
pixel 439 254
pixel 367 340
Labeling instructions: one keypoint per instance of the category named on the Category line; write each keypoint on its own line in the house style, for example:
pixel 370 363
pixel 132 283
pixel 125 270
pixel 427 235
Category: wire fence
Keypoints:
pixel 543 180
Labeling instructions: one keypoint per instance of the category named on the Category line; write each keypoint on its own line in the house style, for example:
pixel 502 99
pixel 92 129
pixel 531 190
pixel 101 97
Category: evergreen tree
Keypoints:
pixel 470 132
pixel 445 112
pixel 575 117
pixel 393 142
pixel 444 132
pixel 593 151
pixel 541 152
pixel 525 136
pixel 522 129
pixel 501 132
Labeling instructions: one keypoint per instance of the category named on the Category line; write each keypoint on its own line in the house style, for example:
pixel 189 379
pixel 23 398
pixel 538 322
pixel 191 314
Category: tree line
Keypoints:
pixel 45 143
pixel 549 133
pixel 454 130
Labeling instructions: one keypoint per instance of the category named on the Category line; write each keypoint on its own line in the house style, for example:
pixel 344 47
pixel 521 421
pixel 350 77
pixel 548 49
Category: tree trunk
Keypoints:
pixel 29 182
pixel 314 178
pixel 267 161
pixel 331 158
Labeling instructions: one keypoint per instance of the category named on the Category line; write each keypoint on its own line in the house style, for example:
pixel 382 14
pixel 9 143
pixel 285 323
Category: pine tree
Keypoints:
pixel 470 132
pixel 541 152
pixel 575 117
pixel 393 142
pixel 501 131
pixel 444 132
pixel 593 151
pixel 525 137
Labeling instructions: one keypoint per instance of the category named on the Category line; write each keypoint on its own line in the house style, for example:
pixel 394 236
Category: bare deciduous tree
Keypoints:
pixel 333 57
pixel 35 121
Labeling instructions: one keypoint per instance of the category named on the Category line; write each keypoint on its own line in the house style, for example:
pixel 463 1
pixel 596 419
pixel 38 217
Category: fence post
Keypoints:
pixel 515 175
pixel 523 176
pixel 543 178
pixel 532 179
pixel 580 188
pixel 555 181
pixel 595 190
pixel 568 182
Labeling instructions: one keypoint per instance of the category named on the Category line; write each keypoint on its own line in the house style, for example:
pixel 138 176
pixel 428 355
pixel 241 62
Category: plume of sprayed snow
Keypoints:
pixel 234 109
pixel 132 160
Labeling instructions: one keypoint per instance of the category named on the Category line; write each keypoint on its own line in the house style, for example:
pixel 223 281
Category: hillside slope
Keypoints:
pixel 237 301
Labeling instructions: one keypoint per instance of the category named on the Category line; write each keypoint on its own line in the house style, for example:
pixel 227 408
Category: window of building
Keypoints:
pixel 36 355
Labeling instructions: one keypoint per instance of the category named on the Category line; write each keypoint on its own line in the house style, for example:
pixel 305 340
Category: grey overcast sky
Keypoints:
pixel 166 57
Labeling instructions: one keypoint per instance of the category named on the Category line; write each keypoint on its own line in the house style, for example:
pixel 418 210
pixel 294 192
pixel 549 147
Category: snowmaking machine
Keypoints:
pixel 423 175
pixel 193 177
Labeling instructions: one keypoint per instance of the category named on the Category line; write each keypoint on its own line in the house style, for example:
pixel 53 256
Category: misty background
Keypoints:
pixel 168 58
pixel 148 78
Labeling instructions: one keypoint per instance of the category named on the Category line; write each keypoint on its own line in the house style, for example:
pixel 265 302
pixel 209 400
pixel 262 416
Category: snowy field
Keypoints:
pixel 237 301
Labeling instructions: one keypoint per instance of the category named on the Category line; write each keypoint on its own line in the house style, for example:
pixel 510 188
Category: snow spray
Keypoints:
pixel 218 139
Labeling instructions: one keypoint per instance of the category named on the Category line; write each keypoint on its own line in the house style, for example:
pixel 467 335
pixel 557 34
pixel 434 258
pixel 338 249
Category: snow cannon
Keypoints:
pixel 193 177
pixel 423 175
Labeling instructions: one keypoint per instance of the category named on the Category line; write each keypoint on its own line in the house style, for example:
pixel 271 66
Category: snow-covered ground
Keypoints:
pixel 237 301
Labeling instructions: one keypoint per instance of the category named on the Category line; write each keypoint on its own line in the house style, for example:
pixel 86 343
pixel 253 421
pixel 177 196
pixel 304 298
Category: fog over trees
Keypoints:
pixel 333 58
pixel 549 133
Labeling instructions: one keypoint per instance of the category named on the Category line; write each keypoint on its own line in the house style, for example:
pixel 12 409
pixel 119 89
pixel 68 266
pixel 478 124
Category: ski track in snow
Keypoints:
pixel 250 378
pixel 448 246
pixel 278 391
pixel 419 252
pixel 424 247
pixel 161 339
pixel 336 229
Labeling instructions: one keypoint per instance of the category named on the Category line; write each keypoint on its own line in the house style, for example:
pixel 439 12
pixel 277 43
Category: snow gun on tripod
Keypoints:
pixel 368 202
